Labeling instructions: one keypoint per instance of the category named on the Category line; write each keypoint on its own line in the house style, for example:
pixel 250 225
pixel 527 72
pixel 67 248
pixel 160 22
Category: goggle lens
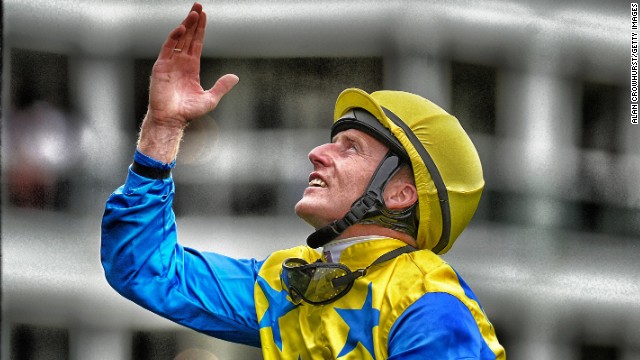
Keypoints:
pixel 313 283
pixel 321 283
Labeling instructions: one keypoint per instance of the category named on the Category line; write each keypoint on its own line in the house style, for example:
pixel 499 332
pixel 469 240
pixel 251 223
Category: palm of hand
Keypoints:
pixel 175 92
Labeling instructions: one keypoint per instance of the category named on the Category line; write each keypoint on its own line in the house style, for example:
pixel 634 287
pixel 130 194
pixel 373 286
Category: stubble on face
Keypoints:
pixel 341 171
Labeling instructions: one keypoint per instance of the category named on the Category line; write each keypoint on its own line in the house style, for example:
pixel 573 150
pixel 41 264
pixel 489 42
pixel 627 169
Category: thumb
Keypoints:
pixel 224 84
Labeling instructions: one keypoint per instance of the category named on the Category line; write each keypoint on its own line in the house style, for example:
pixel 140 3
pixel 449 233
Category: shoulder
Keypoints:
pixel 302 252
pixel 437 312
pixel 425 272
pixel 412 280
pixel 272 265
pixel 438 325
pixel 442 317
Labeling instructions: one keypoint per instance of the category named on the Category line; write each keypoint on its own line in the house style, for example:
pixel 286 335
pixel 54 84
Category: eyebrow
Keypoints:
pixel 351 137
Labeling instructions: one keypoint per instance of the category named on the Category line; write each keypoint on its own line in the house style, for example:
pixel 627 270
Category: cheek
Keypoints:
pixel 352 189
pixel 358 181
pixel 356 187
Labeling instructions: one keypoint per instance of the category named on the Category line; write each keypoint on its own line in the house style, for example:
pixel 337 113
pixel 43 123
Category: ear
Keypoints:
pixel 400 194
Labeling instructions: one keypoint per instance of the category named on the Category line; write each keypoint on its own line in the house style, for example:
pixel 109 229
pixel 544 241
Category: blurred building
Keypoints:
pixel 542 88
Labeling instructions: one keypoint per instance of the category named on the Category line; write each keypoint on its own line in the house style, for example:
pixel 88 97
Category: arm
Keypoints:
pixel 140 254
pixel 437 326
pixel 142 260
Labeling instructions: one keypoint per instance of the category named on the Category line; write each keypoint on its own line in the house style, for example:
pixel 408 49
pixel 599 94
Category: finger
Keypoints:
pixel 224 84
pixel 189 22
pixel 198 37
pixel 171 43
pixel 192 25
pixel 197 7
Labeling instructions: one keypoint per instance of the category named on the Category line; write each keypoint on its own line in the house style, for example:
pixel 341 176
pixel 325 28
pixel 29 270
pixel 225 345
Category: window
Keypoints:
pixel 156 345
pixel 474 97
pixel 42 137
pixel 600 116
pixel 39 342
pixel 598 352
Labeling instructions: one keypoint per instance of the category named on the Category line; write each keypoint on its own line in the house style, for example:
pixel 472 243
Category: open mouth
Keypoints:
pixel 316 181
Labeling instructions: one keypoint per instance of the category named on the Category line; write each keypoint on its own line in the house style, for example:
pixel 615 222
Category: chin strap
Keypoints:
pixel 369 205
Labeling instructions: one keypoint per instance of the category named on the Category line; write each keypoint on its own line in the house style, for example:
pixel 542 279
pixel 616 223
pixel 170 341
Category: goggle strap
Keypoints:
pixel 392 254
pixel 349 278
pixel 346 279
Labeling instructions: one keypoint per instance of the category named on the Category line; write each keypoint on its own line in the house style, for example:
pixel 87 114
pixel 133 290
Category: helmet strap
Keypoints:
pixel 369 206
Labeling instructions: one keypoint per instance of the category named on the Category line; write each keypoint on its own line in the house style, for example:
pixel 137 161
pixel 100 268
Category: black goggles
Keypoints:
pixel 321 283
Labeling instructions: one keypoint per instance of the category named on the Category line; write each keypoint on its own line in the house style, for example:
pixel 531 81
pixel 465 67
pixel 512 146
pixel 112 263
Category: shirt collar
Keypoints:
pixel 360 252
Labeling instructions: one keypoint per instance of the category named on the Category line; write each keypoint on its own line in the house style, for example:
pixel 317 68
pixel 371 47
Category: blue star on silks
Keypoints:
pixel 278 307
pixel 361 323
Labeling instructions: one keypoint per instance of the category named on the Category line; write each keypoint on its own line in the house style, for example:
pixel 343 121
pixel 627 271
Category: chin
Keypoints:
pixel 308 213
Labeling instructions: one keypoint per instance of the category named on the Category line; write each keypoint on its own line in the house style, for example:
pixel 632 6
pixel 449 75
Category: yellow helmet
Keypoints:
pixel 446 165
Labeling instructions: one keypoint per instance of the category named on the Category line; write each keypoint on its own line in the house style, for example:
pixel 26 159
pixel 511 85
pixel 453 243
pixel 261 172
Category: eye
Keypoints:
pixel 348 144
pixel 353 146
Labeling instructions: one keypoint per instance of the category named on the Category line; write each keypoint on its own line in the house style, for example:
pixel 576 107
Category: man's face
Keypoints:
pixel 341 172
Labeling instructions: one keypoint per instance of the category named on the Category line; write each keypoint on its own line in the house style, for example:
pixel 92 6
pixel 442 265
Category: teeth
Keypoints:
pixel 317 182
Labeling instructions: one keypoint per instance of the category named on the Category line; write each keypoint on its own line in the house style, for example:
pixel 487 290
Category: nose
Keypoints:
pixel 320 155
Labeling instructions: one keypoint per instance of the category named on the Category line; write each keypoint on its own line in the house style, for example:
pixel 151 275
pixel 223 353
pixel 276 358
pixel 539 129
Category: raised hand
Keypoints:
pixel 175 95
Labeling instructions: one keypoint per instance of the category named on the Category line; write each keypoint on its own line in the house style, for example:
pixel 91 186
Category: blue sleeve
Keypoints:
pixel 142 260
pixel 437 326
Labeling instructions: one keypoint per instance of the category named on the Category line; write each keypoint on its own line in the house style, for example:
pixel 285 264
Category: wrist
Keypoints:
pixel 160 139
pixel 158 118
pixel 149 167
pixel 143 159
